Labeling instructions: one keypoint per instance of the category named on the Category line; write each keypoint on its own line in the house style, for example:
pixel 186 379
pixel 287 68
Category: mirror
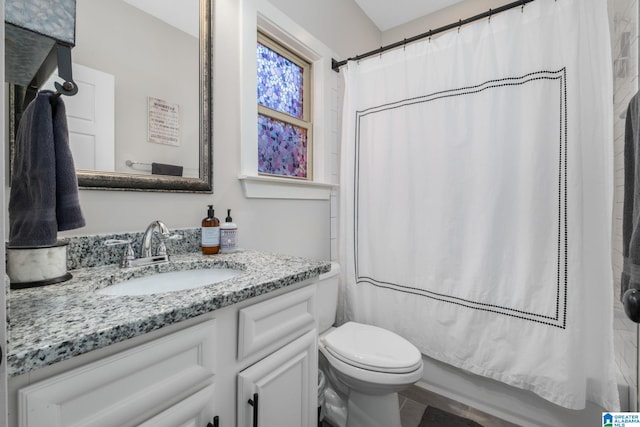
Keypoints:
pixel 151 74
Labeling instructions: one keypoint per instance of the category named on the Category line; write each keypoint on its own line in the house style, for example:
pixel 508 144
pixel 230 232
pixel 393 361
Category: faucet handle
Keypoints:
pixel 162 248
pixel 114 242
pixel 128 255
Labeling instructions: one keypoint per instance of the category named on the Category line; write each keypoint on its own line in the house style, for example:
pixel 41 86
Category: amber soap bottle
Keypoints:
pixel 210 233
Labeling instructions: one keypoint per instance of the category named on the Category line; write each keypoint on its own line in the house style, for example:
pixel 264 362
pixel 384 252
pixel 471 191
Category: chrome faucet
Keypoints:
pixel 163 235
pixel 146 254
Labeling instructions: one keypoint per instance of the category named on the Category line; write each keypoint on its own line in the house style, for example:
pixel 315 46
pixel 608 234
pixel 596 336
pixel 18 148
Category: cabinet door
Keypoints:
pixel 285 383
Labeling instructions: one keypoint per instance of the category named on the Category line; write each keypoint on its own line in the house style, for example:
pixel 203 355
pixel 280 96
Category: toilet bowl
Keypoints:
pixel 365 367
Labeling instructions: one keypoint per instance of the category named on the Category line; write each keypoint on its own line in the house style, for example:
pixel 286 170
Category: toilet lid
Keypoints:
pixel 373 348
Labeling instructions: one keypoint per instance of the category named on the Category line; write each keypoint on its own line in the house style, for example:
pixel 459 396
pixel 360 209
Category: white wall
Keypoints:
pixel 462 10
pixel 285 226
pixel 339 24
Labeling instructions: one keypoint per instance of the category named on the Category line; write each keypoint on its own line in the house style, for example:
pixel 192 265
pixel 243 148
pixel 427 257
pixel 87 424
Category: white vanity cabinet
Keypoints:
pixel 185 374
pixel 281 388
pixel 166 382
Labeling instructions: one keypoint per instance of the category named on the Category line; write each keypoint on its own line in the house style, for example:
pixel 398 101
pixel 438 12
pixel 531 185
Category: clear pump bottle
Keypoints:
pixel 228 234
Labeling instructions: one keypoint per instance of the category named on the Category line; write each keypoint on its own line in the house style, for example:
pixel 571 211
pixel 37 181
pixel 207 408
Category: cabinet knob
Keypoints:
pixel 254 403
pixel 216 422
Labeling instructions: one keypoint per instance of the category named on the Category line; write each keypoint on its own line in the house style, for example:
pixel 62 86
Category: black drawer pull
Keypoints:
pixel 254 403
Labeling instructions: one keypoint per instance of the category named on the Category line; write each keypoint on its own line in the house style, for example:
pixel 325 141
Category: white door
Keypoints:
pixel 91 118
pixel 280 390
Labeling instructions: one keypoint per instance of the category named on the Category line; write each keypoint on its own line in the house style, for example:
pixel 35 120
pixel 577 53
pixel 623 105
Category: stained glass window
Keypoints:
pixel 282 148
pixel 279 82
pixel 284 127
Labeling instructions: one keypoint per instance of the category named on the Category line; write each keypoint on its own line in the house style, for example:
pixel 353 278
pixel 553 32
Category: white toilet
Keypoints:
pixel 365 365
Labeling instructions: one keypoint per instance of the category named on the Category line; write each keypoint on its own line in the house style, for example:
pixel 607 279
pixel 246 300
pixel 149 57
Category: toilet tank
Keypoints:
pixel 327 297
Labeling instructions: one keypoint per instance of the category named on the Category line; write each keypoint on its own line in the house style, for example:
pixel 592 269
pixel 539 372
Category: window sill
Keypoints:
pixel 262 187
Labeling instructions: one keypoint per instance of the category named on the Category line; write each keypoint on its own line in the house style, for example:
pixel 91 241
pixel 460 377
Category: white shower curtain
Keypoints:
pixel 475 207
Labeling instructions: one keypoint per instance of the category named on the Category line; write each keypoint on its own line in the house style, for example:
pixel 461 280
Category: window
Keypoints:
pixel 284 117
pixel 263 23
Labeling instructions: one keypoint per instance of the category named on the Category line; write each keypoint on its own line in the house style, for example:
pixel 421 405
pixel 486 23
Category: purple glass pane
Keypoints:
pixel 282 148
pixel 279 82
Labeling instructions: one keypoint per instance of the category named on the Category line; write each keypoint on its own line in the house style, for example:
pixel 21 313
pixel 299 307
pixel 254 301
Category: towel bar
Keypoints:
pixel 132 163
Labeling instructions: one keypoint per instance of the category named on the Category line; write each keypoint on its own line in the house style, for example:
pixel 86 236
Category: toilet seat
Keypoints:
pixel 372 348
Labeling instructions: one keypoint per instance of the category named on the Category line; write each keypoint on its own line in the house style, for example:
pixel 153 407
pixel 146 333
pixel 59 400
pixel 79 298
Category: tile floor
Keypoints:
pixel 415 400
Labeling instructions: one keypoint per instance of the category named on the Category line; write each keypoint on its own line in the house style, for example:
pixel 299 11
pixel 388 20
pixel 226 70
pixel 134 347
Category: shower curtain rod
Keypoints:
pixel 335 64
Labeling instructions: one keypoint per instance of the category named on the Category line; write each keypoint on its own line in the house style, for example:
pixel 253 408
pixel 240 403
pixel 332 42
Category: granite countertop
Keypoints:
pixel 56 322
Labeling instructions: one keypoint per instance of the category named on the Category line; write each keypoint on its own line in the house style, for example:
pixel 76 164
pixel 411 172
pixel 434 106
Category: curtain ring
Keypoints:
pixel 489 15
pixel 381 51
pixel 522 7
pixel 459 25
pixel 430 33
pixel 404 44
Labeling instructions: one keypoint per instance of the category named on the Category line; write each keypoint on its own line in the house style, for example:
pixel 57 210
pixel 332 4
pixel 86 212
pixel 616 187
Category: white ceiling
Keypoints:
pixel 387 14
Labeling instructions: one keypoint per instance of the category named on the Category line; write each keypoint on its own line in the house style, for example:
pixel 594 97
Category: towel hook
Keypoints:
pixel 68 88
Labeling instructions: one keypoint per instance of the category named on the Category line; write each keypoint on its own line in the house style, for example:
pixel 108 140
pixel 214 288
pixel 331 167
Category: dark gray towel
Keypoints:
pixel 631 210
pixel 44 187
pixel 68 212
pixel 164 169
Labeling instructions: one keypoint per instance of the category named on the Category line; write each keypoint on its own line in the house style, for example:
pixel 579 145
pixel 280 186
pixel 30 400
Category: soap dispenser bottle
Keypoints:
pixel 228 234
pixel 210 233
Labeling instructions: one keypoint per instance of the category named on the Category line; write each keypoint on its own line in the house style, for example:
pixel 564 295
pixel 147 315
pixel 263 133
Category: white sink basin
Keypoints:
pixel 170 282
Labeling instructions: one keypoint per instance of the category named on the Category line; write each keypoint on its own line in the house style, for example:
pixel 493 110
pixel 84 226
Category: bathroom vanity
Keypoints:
pixel 231 354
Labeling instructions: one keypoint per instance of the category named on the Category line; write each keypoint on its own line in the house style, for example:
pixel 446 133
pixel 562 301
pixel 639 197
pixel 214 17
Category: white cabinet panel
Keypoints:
pixel 191 412
pixel 285 383
pixel 267 326
pixel 127 388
